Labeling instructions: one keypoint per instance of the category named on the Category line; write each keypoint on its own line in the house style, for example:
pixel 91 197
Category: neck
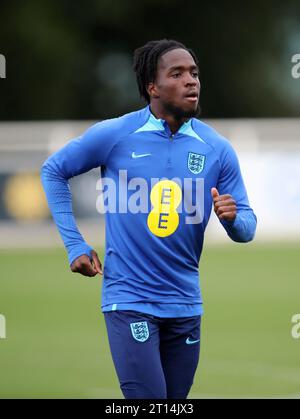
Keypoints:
pixel 160 113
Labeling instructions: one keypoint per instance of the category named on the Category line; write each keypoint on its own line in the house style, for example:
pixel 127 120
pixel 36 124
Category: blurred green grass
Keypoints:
pixel 57 347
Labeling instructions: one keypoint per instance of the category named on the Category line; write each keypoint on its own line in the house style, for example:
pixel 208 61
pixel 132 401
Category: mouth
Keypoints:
pixel 192 96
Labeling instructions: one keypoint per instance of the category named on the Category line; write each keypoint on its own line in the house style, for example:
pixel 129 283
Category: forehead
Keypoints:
pixel 175 58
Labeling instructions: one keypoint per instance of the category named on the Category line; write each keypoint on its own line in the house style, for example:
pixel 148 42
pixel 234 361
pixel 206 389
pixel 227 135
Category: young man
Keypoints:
pixel 154 232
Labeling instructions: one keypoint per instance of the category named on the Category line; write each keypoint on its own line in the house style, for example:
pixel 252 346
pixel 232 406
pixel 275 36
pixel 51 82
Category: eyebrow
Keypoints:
pixel 181 67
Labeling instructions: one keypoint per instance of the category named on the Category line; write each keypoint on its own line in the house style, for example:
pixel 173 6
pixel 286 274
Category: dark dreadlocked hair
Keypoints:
pixel 145 61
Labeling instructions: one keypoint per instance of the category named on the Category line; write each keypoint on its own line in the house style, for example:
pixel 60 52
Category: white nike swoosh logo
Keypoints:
pixel 191 342
pixel 137 156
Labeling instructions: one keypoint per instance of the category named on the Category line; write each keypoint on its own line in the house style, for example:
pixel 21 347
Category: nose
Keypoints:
pixel 190 80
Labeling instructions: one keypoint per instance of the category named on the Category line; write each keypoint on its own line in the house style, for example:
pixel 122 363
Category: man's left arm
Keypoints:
pixel 230 199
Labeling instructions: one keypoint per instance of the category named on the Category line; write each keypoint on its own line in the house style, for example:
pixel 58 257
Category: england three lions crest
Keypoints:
pixel 196 162
pixel 140 331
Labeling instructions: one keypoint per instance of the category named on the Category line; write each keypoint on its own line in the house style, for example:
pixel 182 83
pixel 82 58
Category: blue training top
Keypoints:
pixel 157 198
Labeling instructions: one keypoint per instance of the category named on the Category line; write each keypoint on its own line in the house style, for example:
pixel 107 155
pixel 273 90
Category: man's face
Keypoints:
pixel 177 85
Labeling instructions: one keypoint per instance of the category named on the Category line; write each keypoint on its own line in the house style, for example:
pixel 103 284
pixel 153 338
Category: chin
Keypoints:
pixel 192 111
pixel 180 112
pixel 188 111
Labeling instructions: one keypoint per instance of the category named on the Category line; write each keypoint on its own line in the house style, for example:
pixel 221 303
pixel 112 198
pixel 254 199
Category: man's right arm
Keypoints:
pixel 78 156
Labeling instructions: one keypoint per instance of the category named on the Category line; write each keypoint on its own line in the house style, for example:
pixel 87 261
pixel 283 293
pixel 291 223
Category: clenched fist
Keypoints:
pixel 224 205
pixel 86 266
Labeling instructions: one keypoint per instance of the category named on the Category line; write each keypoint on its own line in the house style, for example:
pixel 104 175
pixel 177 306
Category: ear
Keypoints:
pixel 152 91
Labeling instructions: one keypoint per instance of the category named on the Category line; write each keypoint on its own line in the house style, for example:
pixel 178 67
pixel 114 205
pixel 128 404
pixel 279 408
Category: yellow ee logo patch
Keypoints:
pixel 165 197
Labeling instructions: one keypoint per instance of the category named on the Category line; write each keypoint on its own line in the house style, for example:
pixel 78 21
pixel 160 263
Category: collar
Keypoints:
pixel 158 124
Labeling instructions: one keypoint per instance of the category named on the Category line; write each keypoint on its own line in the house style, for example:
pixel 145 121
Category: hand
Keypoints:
pixel 86 266
pixel 224 205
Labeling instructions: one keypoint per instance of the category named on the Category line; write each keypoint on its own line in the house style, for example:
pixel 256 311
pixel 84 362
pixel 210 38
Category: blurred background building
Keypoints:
pixel 268 149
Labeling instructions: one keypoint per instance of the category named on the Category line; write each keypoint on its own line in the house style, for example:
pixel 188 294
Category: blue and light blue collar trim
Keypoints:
pixel 187 129
pixel 154 124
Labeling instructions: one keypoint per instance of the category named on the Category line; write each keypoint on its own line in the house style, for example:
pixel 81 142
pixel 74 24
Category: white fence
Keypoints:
pixel 268 150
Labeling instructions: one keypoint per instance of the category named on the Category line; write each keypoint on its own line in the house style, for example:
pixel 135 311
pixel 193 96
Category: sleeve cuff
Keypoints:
pixel 230 224
pixel 79 250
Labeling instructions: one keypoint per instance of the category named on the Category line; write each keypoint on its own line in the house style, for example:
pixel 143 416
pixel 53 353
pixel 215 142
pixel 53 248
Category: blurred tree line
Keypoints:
pixel 72 59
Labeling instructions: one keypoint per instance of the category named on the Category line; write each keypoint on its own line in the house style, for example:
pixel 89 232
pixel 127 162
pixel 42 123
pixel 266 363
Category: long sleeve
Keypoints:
pixel 243 228
pixel 78 156
pixel 231 182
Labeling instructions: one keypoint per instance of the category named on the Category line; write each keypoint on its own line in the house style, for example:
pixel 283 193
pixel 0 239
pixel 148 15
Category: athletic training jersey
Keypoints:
pixel 157 197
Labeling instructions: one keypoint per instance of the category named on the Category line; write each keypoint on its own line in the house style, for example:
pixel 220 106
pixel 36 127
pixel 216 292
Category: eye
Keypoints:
pixel 175 75
pixel 195 74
